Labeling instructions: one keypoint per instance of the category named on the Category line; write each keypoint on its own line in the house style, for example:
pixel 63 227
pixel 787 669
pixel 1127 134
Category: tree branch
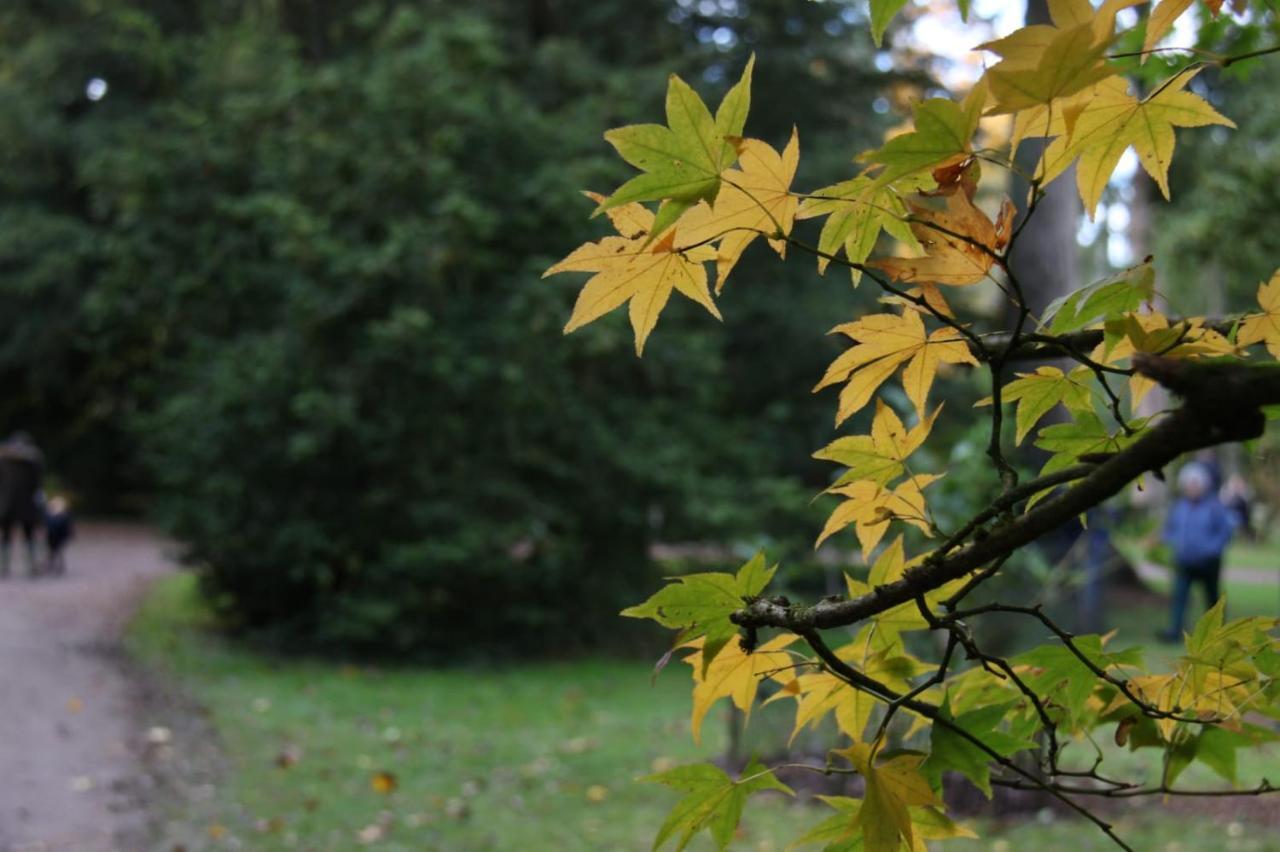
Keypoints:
pixel 1222 405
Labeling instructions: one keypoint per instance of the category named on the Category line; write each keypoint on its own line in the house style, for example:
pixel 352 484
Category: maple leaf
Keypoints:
pixel 941 137
pixel 891 565
pixel 1069 441
pixel 878 652
pixel 891 788
pixel 857 211
pixel 1114 120
pixel 1072 60
pixel 823 694
pixel 1058 118
pixel 1131 333
pixel 700 604
pixel 882 13
pixel 629 269
pixel 733 673
pixel 1038 393
pixel 1054 671
pixel 1117 294
pixel 1024 46
pixel 1164 16
pixel 712 800
pixel 840 830
pixel 754 199
pixel 960 242
pixel 1264 327
pixel 883 343
pixel 870 507
pixel 682 161
pixel 1042 64
pixel 950 751
pixel 880 456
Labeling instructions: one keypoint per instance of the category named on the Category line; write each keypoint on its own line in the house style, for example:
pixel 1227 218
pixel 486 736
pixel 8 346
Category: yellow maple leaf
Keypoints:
pixel 822 694
pixel 1165 15
pixel 892 564
pixel 885 342
pixel 1152 333
pixel 870 507
pixel 631 268
pixel 891 788
pixel 1264 327
pixel 734 673
pixel 1024 46
pixel 1042 64
pixel 880 456
pixel 875 651
pixel 1072 60
pixel 1060 117
pixel 960 243
pixel 1113 120
pixel 754 199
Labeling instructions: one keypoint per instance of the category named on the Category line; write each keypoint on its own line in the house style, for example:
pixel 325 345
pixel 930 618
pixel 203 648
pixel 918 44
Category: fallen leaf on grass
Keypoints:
pixel 383 782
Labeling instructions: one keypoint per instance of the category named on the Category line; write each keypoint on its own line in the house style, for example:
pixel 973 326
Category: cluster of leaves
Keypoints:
pixel 715 192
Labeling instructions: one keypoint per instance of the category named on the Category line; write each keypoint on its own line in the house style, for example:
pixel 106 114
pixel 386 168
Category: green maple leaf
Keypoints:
pixel 857 211
pixel 1112 296
pixel 1057 673
pixel 700 604
pixel 1216 747
pixel 713 801
pixel 1085 435
pixel 942 132
pixel 1038 393
pixel 682 161
pixel 951 751
pixel 882 13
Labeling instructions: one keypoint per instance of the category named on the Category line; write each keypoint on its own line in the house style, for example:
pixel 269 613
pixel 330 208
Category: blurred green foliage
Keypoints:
pixel 1213 243
pixel 280 279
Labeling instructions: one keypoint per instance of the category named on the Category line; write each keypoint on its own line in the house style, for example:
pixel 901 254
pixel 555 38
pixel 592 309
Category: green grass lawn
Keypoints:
pixel 1254 555
pixel 537 757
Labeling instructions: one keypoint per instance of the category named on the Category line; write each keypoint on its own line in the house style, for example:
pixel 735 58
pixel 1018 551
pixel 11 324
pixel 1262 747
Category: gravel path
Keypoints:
pixel 71 772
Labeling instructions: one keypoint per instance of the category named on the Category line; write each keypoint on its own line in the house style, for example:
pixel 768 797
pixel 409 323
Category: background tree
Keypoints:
pixel 265 273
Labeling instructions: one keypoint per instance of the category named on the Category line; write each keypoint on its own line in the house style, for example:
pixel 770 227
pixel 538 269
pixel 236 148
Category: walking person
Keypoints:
pixel 1197 529
pixel 21 469
pixel 59 528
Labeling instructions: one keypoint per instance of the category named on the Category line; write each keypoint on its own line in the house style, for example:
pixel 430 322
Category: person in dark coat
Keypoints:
pixel 59 528
pixel 21 469
pixel 1198 530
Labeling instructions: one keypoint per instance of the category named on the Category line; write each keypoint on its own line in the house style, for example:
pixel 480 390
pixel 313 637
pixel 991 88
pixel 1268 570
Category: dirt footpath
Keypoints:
pixel 71 724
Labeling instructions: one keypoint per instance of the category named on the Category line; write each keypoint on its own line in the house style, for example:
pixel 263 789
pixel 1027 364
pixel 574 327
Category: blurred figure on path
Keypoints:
pixel 59 528
pixel 1197 529
pixel 1236 497
pixel 1208 459
pixel 21 468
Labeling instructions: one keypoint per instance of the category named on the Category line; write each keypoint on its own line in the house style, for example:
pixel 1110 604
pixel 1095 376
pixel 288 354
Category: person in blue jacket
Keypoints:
pixel 1197 530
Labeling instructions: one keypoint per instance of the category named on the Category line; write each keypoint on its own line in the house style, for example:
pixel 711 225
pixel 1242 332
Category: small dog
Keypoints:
pixel 59 528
